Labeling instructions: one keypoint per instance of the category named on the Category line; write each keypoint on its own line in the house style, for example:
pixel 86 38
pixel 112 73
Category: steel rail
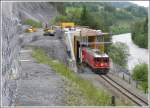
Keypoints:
pixel 124 91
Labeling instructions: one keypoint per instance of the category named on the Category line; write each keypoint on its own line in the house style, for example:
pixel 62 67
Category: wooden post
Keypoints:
pixel 123 76
pixel 136 84
pixel 113 103
pixel 145 90
pixel 129 80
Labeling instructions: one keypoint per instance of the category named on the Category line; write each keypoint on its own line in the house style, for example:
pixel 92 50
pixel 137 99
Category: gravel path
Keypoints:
pixel 39 84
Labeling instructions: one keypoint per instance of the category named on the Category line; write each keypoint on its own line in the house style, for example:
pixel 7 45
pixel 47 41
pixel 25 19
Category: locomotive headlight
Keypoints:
pixel 101 64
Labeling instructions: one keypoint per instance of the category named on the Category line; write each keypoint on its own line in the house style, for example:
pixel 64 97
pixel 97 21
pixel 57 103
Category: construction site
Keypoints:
pixel 59 65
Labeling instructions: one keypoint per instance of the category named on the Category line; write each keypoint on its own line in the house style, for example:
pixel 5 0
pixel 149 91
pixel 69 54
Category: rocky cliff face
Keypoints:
pixel 35 10
pixel 12 16
pixel 10 53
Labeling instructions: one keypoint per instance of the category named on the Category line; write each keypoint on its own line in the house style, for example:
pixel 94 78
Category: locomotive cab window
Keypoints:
pixel 101 60
pixel 98 59
pixel 106 60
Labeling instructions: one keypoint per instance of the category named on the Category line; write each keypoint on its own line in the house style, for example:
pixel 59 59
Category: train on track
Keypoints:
pixel 92 43
pixel 98 62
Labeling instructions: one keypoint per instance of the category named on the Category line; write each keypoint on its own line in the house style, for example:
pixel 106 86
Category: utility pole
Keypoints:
pixel 80 48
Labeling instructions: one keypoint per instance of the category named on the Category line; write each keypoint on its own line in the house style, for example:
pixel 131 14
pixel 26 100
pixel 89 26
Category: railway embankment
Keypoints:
pixel 90 92
pixel 99 82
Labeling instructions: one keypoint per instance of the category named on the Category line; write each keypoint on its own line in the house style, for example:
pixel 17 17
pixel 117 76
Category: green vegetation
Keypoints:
pixel 74 14
pixel 93 95
pixel 84 19
pixel 33 23
pixel 140 73
pixel 58 19
pixel 137 11
pixel 82 16
pixel 108 17
pixel 121 27
pixel 74 96
pixel 119 54
pixel 140 33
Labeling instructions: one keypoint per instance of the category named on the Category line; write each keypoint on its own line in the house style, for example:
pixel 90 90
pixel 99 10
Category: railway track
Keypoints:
pixel 126 92
pixel 133 97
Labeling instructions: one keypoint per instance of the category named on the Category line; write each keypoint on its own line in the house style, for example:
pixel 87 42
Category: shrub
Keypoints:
pixel 119 53
pixel 33 23
pixel 60 18
pixel 140 73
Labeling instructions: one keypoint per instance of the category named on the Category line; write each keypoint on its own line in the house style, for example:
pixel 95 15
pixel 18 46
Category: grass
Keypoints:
pixel 73 95
pixel 121 27
pixel 94 96
pixel 33 23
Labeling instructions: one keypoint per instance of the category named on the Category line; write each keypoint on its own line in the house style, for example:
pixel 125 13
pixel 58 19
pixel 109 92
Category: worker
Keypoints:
pixel 46 26
pixel 68 51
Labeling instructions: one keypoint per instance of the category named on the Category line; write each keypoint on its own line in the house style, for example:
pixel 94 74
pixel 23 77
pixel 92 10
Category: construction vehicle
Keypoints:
pixel 31 29
pixel 67 26
pixel 49 31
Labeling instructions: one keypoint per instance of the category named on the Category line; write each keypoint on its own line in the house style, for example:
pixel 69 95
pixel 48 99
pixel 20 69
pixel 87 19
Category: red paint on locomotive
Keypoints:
pixel 98 62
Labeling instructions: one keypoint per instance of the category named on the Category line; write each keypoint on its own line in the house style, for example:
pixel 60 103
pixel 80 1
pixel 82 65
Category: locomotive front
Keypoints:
pixel 98 62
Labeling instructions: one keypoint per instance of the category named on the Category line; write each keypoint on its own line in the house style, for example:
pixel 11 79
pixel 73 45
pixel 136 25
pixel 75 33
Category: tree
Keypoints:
pixel 33 23
pixel 119 53
pixel 140 73
pixel 84 16
pixel 94 20
pixel 60 18
pixel 74 14
pixel 140 33
pixel 109 8
pixel 137 11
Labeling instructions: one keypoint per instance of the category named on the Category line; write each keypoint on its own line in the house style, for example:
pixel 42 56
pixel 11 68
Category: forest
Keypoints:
pixel 140 33
pixel 117 18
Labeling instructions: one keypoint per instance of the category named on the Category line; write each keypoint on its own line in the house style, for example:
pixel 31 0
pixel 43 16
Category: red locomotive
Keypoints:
pixel 99 63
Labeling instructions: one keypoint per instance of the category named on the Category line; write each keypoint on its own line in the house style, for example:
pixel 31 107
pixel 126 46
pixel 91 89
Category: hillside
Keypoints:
pixel 121 4
pixel 114 17
pixel 43 12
